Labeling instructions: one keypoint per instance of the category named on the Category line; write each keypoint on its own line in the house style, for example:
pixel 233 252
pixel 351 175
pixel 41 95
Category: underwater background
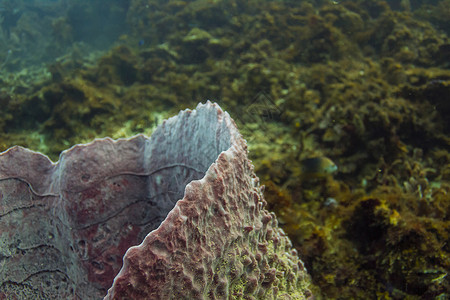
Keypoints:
pixel 362 85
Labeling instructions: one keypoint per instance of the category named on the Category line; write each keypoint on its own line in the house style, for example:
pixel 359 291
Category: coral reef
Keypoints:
pixel 363 83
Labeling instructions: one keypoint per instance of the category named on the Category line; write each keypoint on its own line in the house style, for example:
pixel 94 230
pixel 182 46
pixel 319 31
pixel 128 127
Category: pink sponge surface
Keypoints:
pixel 68 228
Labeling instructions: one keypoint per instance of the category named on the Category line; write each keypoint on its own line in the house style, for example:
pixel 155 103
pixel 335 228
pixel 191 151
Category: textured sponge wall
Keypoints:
pixel 217 243
pixel 65 226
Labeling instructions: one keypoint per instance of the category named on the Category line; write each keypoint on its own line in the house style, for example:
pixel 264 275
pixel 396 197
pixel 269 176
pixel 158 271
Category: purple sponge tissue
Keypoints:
pixel 179 215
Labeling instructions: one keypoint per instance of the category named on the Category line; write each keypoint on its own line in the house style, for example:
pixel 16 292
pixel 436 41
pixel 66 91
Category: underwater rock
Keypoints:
pixel 66 226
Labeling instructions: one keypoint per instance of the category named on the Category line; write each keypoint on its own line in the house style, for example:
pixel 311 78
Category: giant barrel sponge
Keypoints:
pixel 179 215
